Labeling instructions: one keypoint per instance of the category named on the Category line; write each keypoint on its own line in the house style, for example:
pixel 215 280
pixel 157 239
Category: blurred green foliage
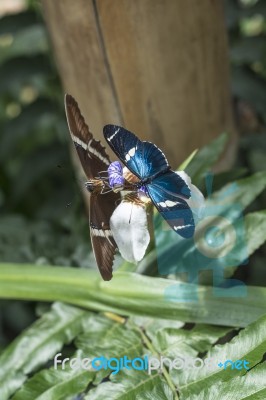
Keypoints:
pixel 39 196
pixel 246 23
pixel 42 219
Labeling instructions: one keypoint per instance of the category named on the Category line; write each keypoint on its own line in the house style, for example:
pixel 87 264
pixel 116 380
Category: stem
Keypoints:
pixel 150 346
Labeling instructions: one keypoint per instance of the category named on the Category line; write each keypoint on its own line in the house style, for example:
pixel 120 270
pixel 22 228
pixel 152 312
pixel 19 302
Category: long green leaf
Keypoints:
pixel 55 384
pixel 103 337
pixel 175 342
pixel 228 203
pixel 131 294
pixel 22 43
pixel 38 344
pixel 255 228
pixel 133 385
pixel 248 345
pixel 205 158
pixel 242 191
pixel 174 255
pixel 251 386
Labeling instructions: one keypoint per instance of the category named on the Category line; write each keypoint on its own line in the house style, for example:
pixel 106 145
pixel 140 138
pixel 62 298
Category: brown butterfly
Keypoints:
pixel 103 201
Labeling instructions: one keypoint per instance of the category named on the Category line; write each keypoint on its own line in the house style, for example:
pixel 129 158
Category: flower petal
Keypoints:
pixel 196 201
pixel 129 226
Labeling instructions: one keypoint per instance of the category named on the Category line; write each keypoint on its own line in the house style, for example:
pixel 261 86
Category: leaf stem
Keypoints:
pixel 150 346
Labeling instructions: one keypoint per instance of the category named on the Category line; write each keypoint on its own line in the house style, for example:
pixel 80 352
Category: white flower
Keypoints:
pixel 196 202
pixel 129 226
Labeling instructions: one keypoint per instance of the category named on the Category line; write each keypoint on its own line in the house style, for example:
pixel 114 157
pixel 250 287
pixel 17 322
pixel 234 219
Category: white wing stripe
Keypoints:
pixel 168 203
pixel 101 232
pixel 79 142
pixel 89 148
pixel 176 228
pixel 113 135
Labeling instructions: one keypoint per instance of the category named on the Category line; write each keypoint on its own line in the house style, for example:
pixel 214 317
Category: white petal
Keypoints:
pixel 196 201
pixel 130 230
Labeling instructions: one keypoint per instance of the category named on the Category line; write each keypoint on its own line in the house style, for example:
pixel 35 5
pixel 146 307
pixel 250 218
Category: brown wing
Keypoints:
pixel 92 154
pixel 101 208
pixel 94 159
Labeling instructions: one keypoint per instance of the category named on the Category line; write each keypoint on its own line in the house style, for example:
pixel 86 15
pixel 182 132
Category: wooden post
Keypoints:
pixel 158 67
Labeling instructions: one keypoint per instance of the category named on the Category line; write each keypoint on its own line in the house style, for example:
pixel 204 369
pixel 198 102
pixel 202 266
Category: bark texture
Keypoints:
pixel 157 67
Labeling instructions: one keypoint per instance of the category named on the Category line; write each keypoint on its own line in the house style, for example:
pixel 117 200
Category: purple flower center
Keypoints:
pixel 115 175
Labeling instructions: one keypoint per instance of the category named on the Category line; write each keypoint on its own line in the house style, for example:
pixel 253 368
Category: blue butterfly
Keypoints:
pixel 167 190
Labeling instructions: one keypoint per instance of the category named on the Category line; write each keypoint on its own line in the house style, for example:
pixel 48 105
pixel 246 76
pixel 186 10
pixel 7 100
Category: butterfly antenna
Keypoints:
pixel 104 173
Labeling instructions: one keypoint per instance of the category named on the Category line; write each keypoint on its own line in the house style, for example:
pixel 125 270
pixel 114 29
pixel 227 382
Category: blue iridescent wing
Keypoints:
pixel 143 159
pixel 169 192
pixel 172 184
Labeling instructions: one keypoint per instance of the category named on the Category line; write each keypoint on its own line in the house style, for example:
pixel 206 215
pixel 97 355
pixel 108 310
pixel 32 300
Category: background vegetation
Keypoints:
pixel 42 222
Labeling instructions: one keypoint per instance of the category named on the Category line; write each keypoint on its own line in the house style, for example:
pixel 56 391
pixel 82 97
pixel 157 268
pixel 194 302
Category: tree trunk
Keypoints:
pixel 157 67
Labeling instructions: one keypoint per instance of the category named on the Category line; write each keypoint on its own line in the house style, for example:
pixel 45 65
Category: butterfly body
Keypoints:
pixel 166 189
pixel 150 179
pixel 95 186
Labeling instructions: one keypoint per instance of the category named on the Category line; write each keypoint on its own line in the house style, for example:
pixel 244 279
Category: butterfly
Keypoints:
pixel 103 201
pixel 167 190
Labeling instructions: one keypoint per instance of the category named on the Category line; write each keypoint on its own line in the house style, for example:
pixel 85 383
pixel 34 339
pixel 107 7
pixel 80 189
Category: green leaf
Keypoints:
pixel 246 235
pixel 131 294
pixel 154 325
pixel 45 161
pixel 242 192
pixel 179 342
pixel 248 50
pixel 38 116
pixel 232 13
pixel 249 86
pixel 52 384
pixel 251 386
pixel 225 205
pixel 255 228
pixel 258 8
pixel 16 22
pixel 185 163
pixel 103 337
pixel 205 158
pixel 33 71
pixel 38 344
pixel 222 178
pixel 22 43
pixel 248 345
pixel 133 385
